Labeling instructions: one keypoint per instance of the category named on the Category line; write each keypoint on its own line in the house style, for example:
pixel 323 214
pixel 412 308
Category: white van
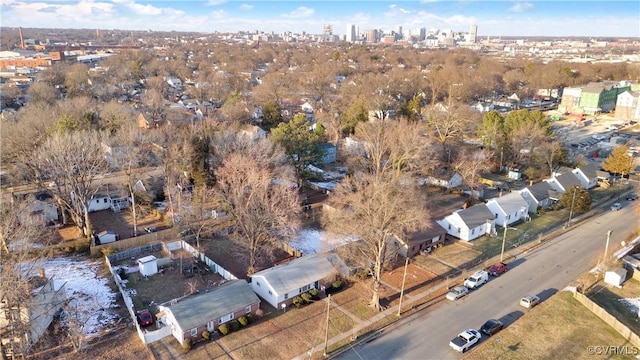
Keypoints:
pixel 477 279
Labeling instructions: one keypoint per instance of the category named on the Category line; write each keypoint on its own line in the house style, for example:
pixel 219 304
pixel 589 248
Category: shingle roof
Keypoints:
pixel 476 215
pixel 225 299
pixel 540 191
pixel 300 272
pixel 590 170
pixel 568 180
pixel 434 229
pixel 511 202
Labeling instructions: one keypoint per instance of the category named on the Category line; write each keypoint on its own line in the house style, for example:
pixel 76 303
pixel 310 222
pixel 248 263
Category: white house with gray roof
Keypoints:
pixel 509 208
pixel 469 224
pixel 563 182
pixel 587 175
pixel 190 317
pixel 537 196
pixel 280 284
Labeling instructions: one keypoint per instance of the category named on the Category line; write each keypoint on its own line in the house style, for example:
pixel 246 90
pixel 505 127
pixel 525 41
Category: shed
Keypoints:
pixel 106 237
pixel 148 265
pixel 615 277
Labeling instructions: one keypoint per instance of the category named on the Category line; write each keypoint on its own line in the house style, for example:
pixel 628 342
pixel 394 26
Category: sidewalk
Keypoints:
pixel 415 297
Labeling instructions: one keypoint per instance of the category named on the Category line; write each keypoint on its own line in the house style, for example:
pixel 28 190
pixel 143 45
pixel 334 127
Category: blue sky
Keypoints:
pixel 494 18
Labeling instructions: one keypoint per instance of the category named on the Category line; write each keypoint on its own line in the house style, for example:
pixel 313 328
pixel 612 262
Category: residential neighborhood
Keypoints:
pixel 256 195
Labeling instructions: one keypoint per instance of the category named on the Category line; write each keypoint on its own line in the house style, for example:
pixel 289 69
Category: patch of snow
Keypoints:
pixel 89 294
pixel 325 185
pixel 632 303
pixel 313 241
pixel 315 169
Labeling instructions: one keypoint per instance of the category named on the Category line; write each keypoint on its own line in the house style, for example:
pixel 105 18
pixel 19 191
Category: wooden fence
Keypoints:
pixel 140 240
pixel 608 318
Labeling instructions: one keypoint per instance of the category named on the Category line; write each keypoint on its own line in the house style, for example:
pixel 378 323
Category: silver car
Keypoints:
pixel 457 292
pixel 616 207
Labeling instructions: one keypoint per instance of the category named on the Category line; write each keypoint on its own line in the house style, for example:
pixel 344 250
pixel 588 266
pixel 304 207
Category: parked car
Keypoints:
pixel 476 280
pixel 497 269
pixel 151 229
pixel 144 317
pixel 631 197
pixel 457 292
pixel 616 207
pixel 492 326
pixel 465 340
pixel 529 301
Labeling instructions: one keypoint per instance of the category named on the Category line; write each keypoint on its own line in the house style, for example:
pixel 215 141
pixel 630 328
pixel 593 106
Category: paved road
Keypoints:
pixel 542 271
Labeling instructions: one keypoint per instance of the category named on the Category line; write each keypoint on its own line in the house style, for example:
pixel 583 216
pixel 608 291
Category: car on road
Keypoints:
pixel 497 269
pixel 631 197
pixel 529 301
pixel 457 292
pixel 465 340
pixel 616 207
pixel 492 326
pixel 144 317
pixel 476 280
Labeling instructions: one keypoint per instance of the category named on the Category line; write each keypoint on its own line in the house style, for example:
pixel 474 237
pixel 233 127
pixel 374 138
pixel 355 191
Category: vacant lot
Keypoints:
pixel 559 328
pixel 122 222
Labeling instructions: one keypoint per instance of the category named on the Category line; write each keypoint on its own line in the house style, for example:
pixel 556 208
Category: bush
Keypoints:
pixel 235 325
pixel 313 293
pixel 160 195
pixel 223 329
pixel 306 297
pixel 206 335
pixel 250 318
pixel 186 345
pixel 297 301
pixel 106 251
pixel 337 284
pixel 243 321
pixel 259 313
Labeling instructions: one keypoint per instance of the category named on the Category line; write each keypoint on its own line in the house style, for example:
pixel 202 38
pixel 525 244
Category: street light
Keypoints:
pixel 504 239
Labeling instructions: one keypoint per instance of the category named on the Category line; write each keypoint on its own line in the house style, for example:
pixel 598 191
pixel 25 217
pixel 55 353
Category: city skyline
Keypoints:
pixel 493 18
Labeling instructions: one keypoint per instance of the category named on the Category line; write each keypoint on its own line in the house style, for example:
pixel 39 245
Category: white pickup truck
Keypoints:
pixel 465 340
pixel 477 279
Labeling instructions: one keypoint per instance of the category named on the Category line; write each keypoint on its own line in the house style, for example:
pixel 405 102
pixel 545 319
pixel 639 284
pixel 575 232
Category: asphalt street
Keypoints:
pixel 542 271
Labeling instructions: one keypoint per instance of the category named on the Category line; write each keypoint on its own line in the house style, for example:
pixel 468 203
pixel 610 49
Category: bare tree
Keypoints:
pixel 550 151
pixel 73 161
pixel 261 201
pixel 380 200
pixel 471 164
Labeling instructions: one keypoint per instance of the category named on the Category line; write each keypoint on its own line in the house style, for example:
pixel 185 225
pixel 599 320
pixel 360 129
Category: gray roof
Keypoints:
pixel 511 202
pixel 476 215
pixel 540 191
pixel 590 170
pixel 300 272
pixel 432 230
pixel 601 174
pixel 199 309
pixel 568 180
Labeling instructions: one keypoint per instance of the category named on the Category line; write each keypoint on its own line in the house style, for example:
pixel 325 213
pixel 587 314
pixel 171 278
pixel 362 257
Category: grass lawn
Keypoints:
pixel 458 255
pixel 609 298
pixel 559 328
pixel 355 299
pixel 285 335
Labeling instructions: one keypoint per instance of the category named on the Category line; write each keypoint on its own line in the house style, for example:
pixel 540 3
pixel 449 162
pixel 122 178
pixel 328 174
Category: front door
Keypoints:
pixel 211 325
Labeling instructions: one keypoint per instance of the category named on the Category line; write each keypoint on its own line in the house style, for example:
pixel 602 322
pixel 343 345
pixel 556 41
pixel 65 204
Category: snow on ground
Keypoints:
pixel 313 241
pixel 88 293
pixel 632 303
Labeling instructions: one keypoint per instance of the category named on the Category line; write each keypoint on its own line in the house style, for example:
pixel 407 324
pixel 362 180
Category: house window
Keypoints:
pixel 508 216
pixel 449 226
pixel 304 288
pixel 473 231
pixel 496 216
pixel 105 201
pixel 286 296
pixel 247 309
pixel 270 293
pixel 225 318
pixel 194 332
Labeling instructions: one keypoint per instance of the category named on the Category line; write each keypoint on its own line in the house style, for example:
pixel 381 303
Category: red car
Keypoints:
pixel 144 317
pixel 497 269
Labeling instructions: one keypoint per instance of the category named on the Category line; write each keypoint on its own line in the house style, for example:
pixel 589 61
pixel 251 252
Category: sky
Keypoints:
pixel 493 18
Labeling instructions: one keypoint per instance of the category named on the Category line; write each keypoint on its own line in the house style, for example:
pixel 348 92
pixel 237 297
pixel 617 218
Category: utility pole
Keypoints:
pixel 326 335
pixel 504 240
pixel 573 200
pixel 404 278
pixel 606 250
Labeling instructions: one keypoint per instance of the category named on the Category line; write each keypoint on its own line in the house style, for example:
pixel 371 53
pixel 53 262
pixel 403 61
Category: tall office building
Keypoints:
pixel 352 36
pixel 371 35
pixel 473 34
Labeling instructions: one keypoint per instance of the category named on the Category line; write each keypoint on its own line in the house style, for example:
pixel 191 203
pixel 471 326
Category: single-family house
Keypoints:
pixel 470 223
pixel 509 208
pixel 306 107
pixel 422 240
pixel 628 105
pixel 447 181
pixel 29 321
pixel 563 182
pixel 190 317
pixel 329 152
pixel 280 284
pixel 253 132
pixel 174 82
pixel 537 196
pixel 101 202
pixel 587 175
